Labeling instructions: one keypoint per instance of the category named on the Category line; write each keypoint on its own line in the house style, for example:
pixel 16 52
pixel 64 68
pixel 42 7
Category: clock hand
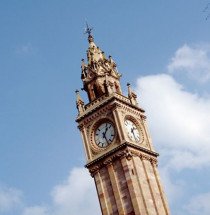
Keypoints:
pixel 106 140
pixel 133 133
pixel 104 136
pixel 105 130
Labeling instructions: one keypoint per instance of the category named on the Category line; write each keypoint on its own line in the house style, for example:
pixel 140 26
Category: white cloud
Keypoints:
pixel 199 204
pixel 193 60
pixel 77 195
pixel 36 210
pixel 10 198
pixel 173 189
pixel 179 121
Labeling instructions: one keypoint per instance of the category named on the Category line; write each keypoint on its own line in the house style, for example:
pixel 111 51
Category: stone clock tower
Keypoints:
pixel 119 152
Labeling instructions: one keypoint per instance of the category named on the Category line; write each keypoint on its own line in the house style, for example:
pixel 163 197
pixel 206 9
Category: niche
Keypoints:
pixel 117 88
pixel 95 90
pixel 105 88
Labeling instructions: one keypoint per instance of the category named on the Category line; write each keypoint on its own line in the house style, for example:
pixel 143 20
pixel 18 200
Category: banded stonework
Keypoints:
pixel 119 151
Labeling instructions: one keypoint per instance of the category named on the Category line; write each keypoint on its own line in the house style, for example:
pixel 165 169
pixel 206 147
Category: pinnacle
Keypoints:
pixel 79 99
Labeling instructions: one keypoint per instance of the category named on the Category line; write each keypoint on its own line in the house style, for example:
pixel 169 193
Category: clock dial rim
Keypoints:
pixel 137 128
pixel 105 133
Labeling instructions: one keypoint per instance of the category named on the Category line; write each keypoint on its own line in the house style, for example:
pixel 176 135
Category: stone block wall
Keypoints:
pixel 130 187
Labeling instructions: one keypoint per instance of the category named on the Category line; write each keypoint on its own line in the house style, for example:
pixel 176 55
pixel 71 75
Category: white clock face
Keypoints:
pixel 104 135
pixel 132 131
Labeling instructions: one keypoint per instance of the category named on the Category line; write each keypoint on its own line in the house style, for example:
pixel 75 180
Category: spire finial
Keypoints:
pixel 131 95
pixel 79 99
pixel 88 30
pixel 79 102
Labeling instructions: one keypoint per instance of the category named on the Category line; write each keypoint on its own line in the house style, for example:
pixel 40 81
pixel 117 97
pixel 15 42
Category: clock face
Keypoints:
pixel 104 135
pixel 132 131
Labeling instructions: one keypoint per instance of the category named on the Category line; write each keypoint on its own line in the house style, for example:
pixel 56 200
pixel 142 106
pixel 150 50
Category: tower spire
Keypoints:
pixel 100 75
pixel 118 148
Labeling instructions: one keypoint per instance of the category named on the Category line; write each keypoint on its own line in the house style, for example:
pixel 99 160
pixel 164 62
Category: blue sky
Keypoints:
pixel 161 47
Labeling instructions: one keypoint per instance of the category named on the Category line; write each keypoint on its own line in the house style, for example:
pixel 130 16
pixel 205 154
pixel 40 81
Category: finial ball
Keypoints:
pixel 90 38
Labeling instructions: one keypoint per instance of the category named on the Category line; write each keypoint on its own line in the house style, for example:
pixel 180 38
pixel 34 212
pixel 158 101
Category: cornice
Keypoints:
pixel 124 149
pixel 103 100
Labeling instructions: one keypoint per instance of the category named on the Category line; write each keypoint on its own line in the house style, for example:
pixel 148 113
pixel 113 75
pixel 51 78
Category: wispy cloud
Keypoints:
pixel 75 195
pixel 192 60
pixel 36 210
pixel 24 49
pixel 10 199
pixel 178 121
pixel 199 204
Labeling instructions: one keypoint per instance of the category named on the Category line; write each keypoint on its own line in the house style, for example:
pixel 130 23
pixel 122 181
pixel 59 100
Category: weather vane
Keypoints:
pixel 88 30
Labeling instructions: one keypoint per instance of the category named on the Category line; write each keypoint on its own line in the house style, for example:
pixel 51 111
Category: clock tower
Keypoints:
pixel 119 152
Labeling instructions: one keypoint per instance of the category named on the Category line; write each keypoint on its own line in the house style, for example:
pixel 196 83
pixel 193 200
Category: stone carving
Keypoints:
pixel 126 153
